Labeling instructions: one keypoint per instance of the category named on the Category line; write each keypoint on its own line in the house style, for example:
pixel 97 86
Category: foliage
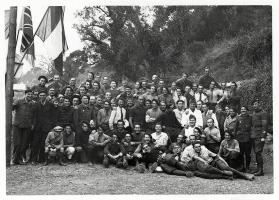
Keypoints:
pixel 235 41
pixel 76 62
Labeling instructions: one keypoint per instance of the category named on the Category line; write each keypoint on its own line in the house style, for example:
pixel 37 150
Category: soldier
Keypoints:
pixel 258 135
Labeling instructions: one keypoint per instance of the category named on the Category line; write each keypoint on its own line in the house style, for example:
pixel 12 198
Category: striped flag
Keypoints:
pixel 51 32
pixel 27 38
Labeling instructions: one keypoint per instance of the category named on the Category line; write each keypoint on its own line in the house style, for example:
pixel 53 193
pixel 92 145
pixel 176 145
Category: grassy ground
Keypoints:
pixel 84 179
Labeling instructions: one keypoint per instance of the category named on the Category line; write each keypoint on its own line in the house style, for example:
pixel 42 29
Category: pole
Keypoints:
pixel 10 80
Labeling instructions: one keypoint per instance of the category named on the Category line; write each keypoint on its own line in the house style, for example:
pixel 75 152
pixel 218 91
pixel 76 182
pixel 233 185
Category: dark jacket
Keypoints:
pixel 24 113
pixel 183 82
pixel 168 119
pixel 243 128
pixel 82 138
pixel 44 117
pixel 259 124
pixel 84 113
pixel 205 81
pixel 65 115
pixel 114 148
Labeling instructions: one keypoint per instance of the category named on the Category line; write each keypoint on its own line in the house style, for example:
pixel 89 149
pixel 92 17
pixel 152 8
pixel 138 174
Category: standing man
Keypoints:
pixel 152 115
pixel 104 114
pixel 206 79
pixel 84 113
pixel 23 125
pixel 207 114
pixel 213 94
pixel 242 135
pixel 151 94
pixel 200 95
pixel 179 110
pixel 183 81
pixel 117 114
pixel 213 136
pixel 137 114
pixel 44 122
pixel 113 90
pixel 105 84
pixel 189 97
pixel 230 122
pixel 258 135
pixel 192 111
pixel 56 84
pixel 42 84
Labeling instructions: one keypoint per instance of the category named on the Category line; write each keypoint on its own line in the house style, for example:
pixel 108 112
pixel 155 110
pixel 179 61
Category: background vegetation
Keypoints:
pixel 132 42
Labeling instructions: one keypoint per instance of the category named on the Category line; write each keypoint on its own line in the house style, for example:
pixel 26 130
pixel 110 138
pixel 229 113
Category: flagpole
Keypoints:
pixel 31 43
pixel 10 80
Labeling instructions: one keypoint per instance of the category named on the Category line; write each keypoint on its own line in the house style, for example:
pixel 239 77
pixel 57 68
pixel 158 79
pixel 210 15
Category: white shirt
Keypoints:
pixel 116 115
pixel 213 95
pixel 178 114
pixel 196 113
pixel 204 98
pixel 176 98
pixel 160 139
pixel 189 131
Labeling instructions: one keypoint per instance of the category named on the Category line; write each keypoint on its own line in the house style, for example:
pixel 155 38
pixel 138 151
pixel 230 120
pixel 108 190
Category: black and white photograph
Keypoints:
pixel 155 99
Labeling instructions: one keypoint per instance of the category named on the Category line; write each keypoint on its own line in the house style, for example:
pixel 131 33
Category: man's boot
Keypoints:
pixel 61 159
pixel 259 172
pixel 46 160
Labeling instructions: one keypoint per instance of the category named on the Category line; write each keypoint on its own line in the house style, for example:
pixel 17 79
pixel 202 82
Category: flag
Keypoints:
pixel 51 32
pixel 7 19
pixel 27 38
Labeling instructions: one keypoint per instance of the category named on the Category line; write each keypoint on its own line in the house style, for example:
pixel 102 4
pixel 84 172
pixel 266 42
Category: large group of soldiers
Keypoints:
pixel 184 128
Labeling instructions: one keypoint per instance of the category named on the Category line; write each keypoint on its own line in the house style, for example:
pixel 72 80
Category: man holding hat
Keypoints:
pixel 54 144
pixel 22 126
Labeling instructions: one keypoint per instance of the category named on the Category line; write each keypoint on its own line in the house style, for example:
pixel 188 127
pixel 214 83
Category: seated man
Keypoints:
pixel 54 144
pixel 160 138
pixel 130 148
pixel 229 150
pixel 69 142
pixel 114 153
pixel 97 142
pixel 146 154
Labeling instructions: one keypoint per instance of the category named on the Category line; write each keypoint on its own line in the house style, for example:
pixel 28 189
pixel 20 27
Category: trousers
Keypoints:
pixel 21 137
pixel 258 146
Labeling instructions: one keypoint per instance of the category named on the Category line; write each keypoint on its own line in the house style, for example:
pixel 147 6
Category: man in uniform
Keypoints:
pixel 258 135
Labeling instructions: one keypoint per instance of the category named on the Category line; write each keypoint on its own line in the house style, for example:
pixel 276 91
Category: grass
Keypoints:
pixel 83 179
